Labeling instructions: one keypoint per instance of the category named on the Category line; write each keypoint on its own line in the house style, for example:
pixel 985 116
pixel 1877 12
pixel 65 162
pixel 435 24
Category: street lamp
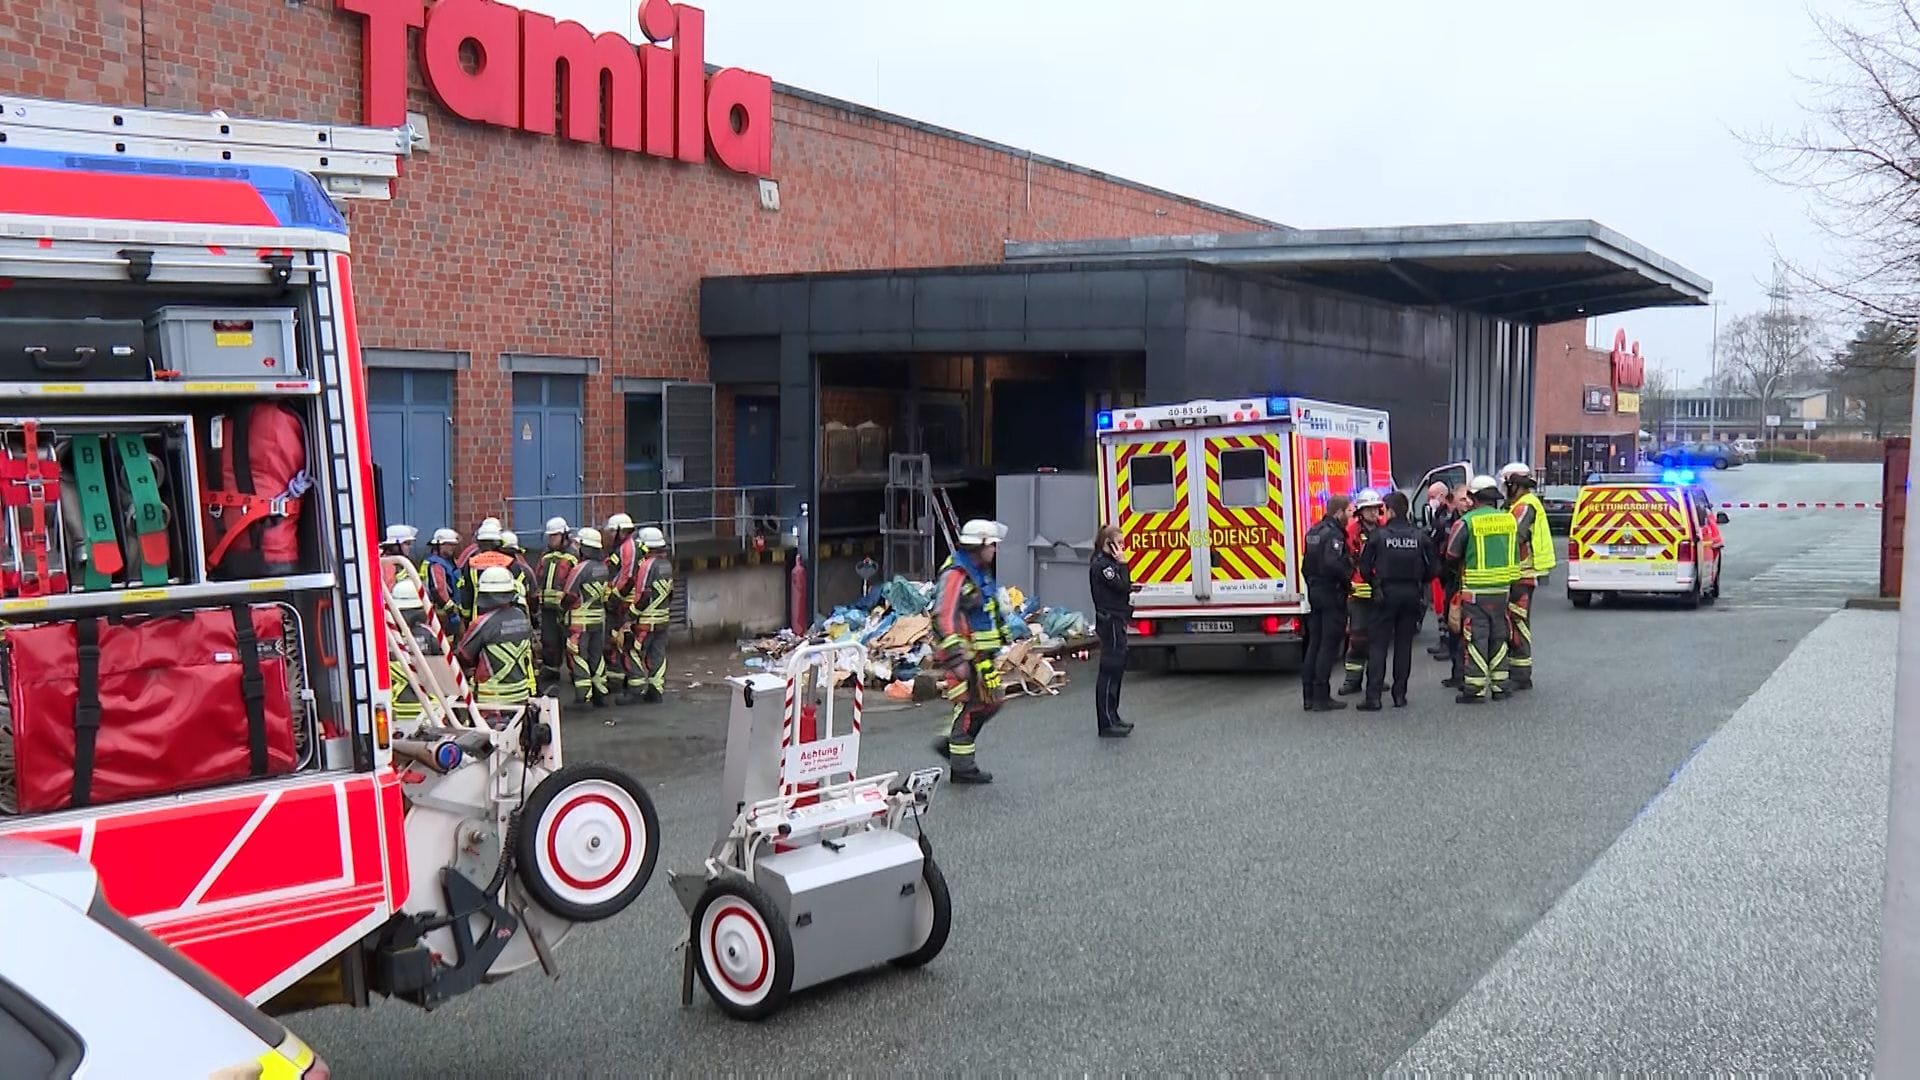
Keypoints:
pixel 1713 379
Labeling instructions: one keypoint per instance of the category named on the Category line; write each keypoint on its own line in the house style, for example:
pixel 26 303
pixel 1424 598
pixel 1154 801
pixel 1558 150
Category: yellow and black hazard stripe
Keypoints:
pixel 1160 542
pixel 1654 517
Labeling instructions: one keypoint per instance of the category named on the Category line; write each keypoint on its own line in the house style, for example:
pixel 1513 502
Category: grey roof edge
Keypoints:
pixel 1489 238
pixel 816 98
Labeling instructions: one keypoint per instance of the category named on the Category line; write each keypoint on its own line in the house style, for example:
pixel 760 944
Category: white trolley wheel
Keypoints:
pixel 932 916
pixel 743 950
pixel 587 842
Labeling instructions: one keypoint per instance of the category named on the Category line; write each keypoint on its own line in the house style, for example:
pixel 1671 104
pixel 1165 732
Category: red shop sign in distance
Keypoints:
pixel 660 100
pixel 1629 370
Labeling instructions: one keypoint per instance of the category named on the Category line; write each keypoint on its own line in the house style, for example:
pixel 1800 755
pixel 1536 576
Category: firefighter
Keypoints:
pixel 399 541
pixel 442 579
pixel 1329 574
pixel 406 700
pixel 1441 514
pixel 556 568
pixel 489 526
pixel 498 647
pixel 968 632
pixel 584 598
pixel 623 556
pixel 1486 545
pixel 1536 562
pixel 649 612
pixel 1398 562
pixel 523 575
pixel 1367 508
pixel 486 553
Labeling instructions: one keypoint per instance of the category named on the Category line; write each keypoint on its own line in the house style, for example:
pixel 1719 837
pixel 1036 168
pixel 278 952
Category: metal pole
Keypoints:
pixel 1897 1046
pixel 1713 379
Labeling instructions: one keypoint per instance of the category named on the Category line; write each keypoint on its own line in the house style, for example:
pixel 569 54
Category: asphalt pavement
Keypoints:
pixel 1239 886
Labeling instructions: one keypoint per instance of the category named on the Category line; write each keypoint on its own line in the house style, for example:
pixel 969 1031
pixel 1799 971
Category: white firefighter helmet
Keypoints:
pixel 980 532
pixel 402 534
pixel 651 538
pixel 618 522
pixel 446 536
pixel 590 537
pixel 488 530
pixel 1483 487
pixel 497 579
pixel 1515 470
pixel 509 539
pixel 406 595
pixel 556 525
pixel 1367 498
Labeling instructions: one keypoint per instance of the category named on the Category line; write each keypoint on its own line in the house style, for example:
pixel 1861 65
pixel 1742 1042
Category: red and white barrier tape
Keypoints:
pixel 1798 506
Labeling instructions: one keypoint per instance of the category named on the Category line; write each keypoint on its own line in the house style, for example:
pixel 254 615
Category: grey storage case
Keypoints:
pixel 224 343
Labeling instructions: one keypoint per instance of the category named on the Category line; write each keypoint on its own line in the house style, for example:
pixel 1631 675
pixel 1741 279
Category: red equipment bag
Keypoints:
pixel 253 469
pixel 119 708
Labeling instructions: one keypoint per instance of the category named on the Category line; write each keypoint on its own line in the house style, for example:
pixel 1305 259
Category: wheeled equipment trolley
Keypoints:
pixel 813 876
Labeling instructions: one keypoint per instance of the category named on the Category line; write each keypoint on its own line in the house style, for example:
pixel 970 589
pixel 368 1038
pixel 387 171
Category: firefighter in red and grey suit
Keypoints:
pixel 649 614
pixel 623 559
pixel 967 633
pixel 1367 508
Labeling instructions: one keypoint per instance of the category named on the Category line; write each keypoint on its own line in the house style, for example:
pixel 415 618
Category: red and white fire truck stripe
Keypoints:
pixel 1800 506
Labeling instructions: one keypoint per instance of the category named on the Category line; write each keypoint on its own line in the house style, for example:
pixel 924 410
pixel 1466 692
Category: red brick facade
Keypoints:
pixel 1564 366
pixel 502 242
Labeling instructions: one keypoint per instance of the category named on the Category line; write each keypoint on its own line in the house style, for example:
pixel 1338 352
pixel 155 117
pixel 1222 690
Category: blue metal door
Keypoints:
pixel 756 443
pixel 410 423
pixel 546 452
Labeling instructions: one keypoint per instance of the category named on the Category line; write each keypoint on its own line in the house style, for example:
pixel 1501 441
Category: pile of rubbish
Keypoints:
pixel 895 623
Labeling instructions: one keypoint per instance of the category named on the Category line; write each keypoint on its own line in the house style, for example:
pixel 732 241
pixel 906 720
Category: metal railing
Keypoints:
pixel 736 514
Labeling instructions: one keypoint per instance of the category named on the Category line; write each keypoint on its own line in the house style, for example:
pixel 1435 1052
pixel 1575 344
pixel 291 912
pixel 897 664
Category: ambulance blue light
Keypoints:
pixel 1102 420
pixel 1677 476
pixel 1278 406
pixel 294 198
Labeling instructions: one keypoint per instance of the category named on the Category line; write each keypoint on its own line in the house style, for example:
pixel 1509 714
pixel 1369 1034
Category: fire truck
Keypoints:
pixel 1213 498
pixel 198 652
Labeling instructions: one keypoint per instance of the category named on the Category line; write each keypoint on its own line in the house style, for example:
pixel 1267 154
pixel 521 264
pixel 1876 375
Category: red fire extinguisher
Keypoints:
pixel 797 595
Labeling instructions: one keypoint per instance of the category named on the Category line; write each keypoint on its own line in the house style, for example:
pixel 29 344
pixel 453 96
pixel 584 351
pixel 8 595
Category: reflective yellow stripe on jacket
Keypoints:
pixel 1540 538
pixel 1493 538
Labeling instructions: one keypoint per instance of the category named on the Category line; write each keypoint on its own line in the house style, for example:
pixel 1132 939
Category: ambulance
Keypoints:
pixel 1640 533
pixel 1213 499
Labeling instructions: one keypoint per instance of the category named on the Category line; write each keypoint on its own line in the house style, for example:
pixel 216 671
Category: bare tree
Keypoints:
pixel 1767 353
pixel 1858 157
pixel 1656 401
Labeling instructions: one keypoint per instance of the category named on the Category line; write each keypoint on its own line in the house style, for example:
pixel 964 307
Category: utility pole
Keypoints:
pixel 1713 379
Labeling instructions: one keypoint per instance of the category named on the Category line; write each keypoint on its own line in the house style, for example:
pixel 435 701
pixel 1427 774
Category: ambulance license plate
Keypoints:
pixel 1215 626
pixel 1627 551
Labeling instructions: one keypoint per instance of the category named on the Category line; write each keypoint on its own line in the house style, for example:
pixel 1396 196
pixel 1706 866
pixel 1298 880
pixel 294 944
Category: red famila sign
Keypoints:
pixel 1629 371
pixel 498 65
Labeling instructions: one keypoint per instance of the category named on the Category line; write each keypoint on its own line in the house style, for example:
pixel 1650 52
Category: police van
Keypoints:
pixel 1639 533
pixel 1213 499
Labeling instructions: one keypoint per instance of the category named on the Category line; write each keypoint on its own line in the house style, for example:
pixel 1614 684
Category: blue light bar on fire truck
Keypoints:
pixel 1193 414
pixel 59 184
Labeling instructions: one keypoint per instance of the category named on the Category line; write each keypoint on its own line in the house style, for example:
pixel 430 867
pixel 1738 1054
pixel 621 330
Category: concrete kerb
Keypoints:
pixel 1735 923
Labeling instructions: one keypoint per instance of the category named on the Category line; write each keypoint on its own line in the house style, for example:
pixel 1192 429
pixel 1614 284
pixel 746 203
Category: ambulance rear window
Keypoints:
pixel 1150 477
pixel 1243 478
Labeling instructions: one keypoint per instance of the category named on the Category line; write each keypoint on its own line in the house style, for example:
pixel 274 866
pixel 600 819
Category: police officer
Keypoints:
pixel 651 609
pixel 967 633
pixel 1367 508
pixel 585 597
pixel 1112 586
pixel 1536 562
pixel 498 647
pixel 1398 561
pixel 1486 545
pixel 556 566
pixel 1329 574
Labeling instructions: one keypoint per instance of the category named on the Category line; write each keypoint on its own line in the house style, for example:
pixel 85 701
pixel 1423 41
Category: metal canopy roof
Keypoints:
pixel 1529 271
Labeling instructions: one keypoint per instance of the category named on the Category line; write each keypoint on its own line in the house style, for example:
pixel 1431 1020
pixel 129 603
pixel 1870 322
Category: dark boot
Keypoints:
pixel 581 697
pixel 1117 731
pixel 965 770
pixel 1468 697
pixel 1399 701
pixel 650 696
pixel 1371 704
pixel 1329 705
pixel 1454 683
pixel 1350 686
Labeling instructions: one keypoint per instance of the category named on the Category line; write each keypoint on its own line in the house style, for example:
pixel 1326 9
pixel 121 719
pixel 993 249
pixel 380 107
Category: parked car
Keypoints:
pixel 84 992
pixel 1719 455
pixel 1559 500
pixel 1747 448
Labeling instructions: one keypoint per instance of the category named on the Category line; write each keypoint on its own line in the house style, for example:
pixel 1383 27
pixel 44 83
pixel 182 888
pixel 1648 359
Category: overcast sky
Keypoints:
pixel 1356 112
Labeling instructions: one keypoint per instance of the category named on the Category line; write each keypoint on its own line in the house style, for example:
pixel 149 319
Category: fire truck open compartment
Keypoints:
pixel 176 420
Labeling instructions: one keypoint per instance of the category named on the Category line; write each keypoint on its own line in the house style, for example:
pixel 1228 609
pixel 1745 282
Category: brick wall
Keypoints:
pixel 500 242
pixel 1564 367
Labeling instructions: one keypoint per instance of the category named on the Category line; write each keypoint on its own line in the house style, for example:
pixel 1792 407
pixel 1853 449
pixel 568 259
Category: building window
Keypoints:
pixel 1243 478
pixel 1150 477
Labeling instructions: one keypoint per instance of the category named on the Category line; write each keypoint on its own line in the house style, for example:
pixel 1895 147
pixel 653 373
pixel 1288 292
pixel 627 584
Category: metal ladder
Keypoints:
pixel 908 548
pixel 349 162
